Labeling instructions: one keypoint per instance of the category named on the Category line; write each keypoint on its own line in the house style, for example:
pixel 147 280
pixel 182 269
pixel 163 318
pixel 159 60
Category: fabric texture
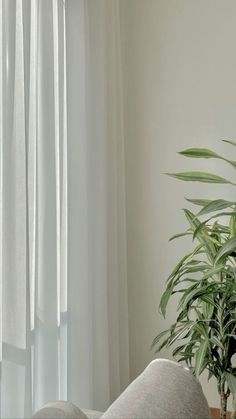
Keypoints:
pixel 93 414
pixel 60 409
pixel 165 390
pixel 65 410
pixel 63 288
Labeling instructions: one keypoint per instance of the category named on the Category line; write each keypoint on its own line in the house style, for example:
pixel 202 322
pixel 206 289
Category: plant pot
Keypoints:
pixel 215 413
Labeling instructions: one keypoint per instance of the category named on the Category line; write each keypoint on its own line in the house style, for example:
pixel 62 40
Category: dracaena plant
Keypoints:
pixel 204 333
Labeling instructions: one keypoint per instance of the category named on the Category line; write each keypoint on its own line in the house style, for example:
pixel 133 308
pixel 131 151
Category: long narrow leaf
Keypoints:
pixel 232 225
pixel 230 142
pixel 215 205
pixel 231 381
pixel 198 327
pixel 203 224
pixel 189 292
pixel 207 307
pixel 177 350
pixel 204 153
pixel 162 345
pixel 193 269
pixel 208 299
pixel 231 322
pixel 176 236
pixel 227 249
pixel 185 260
pixel 211 272
pixel 199 202
pixel 217 342
pixel 203 236
pixel 164 300
pixel 180 334
pixel 196 293
pixel 200 356
pixel 199 177
pixel 159 337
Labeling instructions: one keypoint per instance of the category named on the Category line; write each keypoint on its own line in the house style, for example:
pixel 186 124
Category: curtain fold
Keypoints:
pixel 63 290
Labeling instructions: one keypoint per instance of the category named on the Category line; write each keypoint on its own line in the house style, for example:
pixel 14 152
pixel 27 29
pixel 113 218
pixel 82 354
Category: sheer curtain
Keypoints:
pixel 63 291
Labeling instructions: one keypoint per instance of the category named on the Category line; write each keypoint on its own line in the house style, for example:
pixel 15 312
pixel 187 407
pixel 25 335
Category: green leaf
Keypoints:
pixel 182 315
pixel 189 291
pixel 220 214
pixel 194 269
pixel 219 228
pixel 227 249
pixel 179 334
pixel 230 142
pixel 212 272
pixel 208 299
pixel 232 225
pixel 205 153
pixel 199 228
pixel 202 228
pixel 189 267
pixel 177 350
pixel 190 295
pixel 231 381
pixel 217 342
pixel 231 162
pixel 164 300
pixel 176 236
pixel 203 224
pixel 199 153
pixel 228 324
pixel 159 337
pixel 162 345
pixel 215 205
pixel 198 327
pixel 203 235
pixel 187 259
pixel 199 202
pixel 199 177
pixel 196 293
pixel 200 357
pixel 207 307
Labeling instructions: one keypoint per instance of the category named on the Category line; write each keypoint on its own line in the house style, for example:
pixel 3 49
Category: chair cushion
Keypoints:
pixel 60 409
pixel 92 414
pixel 165 390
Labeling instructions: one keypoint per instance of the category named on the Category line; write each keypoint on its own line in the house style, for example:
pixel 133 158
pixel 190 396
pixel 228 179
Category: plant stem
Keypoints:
pixel 223 405
pixel 233 416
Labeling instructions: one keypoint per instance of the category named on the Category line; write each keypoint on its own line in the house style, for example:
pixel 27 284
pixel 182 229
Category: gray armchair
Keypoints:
pixel 164 390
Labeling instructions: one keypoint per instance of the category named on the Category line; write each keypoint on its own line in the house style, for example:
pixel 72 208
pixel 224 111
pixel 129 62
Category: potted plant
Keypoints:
pixel 204 333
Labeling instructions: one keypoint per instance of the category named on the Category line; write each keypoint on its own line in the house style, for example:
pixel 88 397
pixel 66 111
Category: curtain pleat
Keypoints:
pixel 57 148
pixel 32 197
pixel 1 177
pixel 18 269
pixel 63 289
pixel 97 196
pixel 117 265
pixel 80 304
pixel 46 338
pixel 14 202
pixel 32 158
pixel 63 338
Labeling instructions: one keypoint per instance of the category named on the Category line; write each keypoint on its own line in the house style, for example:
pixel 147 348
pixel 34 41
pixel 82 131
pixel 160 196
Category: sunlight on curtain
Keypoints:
pixel 63 290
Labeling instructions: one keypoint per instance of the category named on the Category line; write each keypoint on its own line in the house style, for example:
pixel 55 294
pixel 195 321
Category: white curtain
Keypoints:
pixel 63 291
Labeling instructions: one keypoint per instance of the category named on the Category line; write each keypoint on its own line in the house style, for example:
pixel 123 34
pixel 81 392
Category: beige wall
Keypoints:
pixel 180 91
